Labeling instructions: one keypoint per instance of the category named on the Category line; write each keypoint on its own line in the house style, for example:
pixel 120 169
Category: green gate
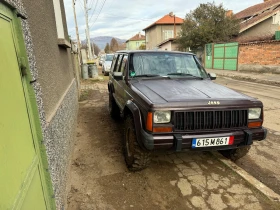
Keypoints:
pixel 23 180
pixel 209 56
pixel 225 56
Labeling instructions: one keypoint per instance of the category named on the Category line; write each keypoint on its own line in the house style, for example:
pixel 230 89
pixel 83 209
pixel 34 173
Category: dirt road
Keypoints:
pixel 263 159
pixel 192 180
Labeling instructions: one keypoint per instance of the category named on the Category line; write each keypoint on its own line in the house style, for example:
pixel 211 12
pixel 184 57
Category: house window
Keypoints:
pixel 276 19
pixel 167 34
pixel 137 44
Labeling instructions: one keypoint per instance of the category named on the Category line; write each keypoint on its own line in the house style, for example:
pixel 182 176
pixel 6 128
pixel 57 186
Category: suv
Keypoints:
pixel 169 102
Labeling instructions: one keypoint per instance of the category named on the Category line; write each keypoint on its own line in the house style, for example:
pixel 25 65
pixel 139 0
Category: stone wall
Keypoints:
pixel 261 56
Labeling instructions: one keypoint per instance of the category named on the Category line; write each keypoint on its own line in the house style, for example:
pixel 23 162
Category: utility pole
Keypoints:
pixel 87 30
pixel 77 32
pixel 174 27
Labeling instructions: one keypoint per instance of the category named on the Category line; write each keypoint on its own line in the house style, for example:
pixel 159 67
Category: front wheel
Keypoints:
pixel 235 154
pixel 136 159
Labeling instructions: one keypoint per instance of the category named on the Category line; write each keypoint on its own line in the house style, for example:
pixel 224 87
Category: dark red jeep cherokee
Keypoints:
pixel 169 102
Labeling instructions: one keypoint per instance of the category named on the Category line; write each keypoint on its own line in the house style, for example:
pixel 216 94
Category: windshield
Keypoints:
pixel 166 64
pixel 109 57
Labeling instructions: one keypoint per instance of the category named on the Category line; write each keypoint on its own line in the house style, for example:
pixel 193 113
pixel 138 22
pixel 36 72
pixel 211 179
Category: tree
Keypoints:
pixel 142 47
pixel 96 48
pixel 206 24
pixel 114 45
pixel 107 48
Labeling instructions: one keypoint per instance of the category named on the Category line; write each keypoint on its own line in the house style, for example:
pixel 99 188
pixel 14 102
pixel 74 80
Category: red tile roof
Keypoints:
pixel 166 20
pixel 137 37
pixel 257 13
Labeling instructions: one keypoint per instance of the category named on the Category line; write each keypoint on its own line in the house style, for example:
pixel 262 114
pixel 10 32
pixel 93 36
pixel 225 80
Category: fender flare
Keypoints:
pixel 137 121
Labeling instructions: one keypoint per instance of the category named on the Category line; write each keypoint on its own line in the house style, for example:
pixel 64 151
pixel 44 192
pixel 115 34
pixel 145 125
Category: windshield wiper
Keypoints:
pixel 147 75
pixel 184 74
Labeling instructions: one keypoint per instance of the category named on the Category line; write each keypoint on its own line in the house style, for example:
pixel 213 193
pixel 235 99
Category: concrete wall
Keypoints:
pixel 155 35
pixel 262 29
pixel 55 68
pixel 55 87
pixel 259 56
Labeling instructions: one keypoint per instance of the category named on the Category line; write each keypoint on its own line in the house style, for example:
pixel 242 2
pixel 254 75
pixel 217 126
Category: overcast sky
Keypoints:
pixel 124 18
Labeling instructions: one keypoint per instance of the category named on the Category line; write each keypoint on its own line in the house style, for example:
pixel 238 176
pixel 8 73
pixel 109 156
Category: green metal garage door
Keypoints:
pixel 22 184
pixel 226 56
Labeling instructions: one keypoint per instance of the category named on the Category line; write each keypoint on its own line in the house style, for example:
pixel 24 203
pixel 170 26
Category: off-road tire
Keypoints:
pixel 113 108
pixel 235 154
pixel 136 158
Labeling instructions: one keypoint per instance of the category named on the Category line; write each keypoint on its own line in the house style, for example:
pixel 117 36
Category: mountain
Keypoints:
pixel 101 41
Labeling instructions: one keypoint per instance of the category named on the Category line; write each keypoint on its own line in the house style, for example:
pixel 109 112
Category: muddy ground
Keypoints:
pixel 99 178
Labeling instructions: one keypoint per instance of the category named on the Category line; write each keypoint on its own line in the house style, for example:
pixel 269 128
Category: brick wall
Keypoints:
pixel 259 53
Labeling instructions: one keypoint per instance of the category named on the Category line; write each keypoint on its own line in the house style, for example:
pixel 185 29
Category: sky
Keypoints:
pixel 125 18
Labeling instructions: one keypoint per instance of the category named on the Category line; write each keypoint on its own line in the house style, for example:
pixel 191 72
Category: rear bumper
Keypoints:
pixel 183 141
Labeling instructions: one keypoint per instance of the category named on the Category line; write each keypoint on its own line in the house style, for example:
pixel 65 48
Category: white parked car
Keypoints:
pixel 101 60
pixel 106 66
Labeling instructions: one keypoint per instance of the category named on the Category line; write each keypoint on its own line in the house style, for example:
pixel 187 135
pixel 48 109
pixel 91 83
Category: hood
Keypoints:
pixel 162 91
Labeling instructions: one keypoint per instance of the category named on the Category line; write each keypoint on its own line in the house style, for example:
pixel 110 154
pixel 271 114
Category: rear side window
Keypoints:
pixel 113 62
pixel 123 66
pixel 118 64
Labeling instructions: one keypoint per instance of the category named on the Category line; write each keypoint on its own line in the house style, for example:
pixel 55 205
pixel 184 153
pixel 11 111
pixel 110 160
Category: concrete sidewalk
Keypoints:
pixel 263 78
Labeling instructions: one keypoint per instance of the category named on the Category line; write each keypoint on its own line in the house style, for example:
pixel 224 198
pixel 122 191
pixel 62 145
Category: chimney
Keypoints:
pixel 171 14
pixel 229 13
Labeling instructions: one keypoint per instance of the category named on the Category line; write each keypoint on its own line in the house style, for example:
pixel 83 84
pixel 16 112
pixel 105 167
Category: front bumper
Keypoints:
pixel 183 141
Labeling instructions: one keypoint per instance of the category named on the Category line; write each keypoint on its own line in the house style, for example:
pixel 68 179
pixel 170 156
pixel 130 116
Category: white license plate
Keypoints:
pixel 212 142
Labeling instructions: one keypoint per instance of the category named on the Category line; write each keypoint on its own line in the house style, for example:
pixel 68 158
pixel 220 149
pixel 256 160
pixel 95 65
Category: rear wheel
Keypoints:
pixel 235 154
pixel 136 159
pixel 113 107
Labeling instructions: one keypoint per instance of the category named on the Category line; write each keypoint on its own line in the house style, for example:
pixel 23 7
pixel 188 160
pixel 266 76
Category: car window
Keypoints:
pixel 124 61
pixel 119 60
pixel 109 57
pixel 114 61
pixel 164 64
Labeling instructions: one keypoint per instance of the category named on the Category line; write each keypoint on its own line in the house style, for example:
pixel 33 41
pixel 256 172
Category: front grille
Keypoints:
pixel 204 120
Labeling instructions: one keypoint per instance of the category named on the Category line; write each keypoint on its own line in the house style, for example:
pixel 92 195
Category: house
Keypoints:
pixel 168 44
pixel 259 22
pixel 163 29
pixel 135 42
pixel 38 106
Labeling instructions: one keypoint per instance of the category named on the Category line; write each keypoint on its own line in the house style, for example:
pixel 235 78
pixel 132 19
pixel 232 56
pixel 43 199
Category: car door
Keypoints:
pixel 117 91
pixel 121 83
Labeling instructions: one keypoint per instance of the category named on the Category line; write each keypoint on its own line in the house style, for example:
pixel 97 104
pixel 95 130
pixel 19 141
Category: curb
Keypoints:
pixel 251 79
pixel 266 191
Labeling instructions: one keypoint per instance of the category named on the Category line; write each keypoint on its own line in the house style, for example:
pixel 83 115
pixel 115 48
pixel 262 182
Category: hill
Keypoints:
pixel 101 41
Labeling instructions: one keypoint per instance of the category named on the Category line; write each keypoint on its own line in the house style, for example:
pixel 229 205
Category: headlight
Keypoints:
pixel 162 116
pixel 254 113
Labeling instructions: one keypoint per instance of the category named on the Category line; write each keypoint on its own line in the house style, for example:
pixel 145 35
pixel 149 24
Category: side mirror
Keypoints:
pixel 117 75
pixel 212 76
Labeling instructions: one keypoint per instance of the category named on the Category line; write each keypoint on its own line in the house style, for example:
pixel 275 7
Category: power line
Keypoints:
pixel 98 13
pixel 128 17
pixel 93 10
